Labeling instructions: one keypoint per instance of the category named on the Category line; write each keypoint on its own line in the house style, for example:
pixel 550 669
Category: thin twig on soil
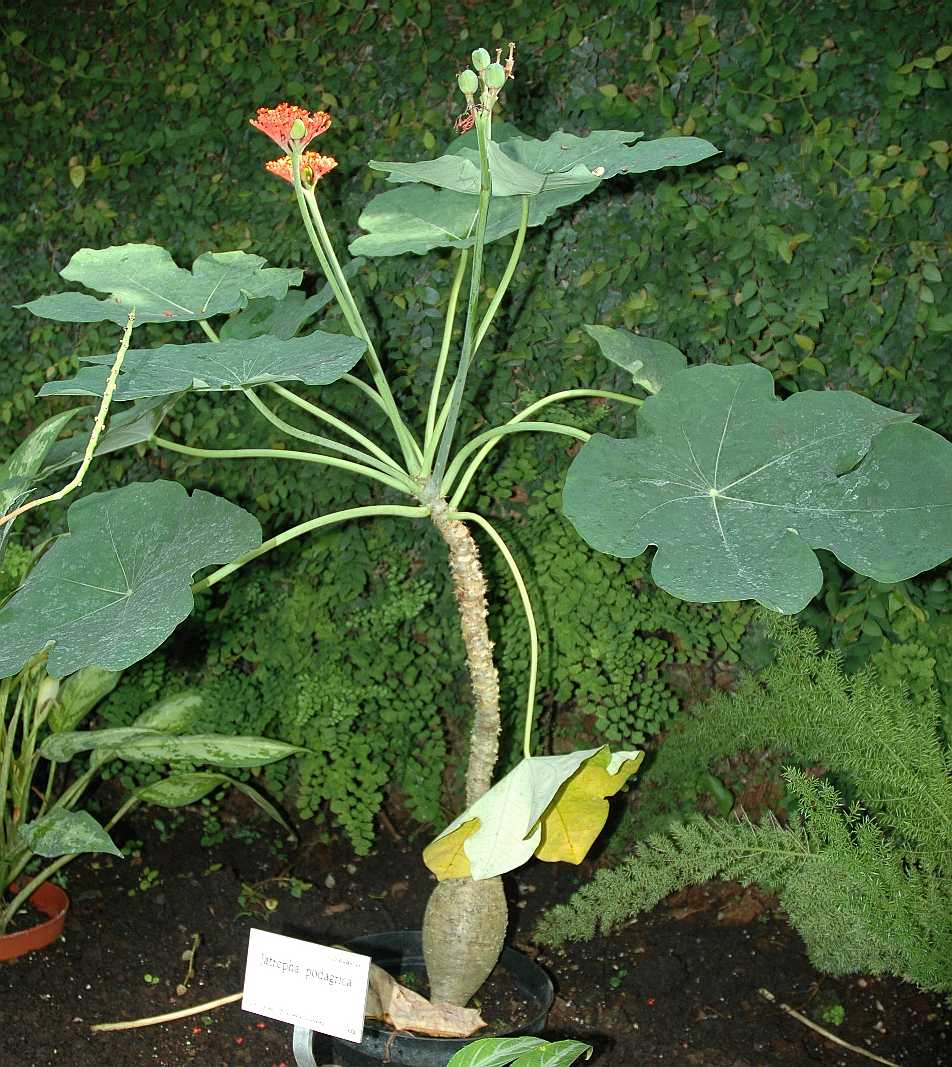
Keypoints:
pixel 794 1014
pixel 388 825
pixel 168 1017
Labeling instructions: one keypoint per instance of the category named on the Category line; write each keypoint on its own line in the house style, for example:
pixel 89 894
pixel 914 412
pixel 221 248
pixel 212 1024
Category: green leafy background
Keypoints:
pixel 817 245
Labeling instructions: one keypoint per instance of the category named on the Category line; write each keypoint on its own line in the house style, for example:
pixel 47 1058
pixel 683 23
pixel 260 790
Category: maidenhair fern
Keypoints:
pixel 867 884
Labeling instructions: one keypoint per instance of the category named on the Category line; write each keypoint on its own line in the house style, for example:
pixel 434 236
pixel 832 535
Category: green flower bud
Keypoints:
pixel 481 59
pixel 494 76
pixel 468 82
pixel 47 692
pixel 298 129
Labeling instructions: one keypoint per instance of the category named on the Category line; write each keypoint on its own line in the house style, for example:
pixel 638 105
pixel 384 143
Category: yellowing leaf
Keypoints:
pixel 579 811
pixel 445 856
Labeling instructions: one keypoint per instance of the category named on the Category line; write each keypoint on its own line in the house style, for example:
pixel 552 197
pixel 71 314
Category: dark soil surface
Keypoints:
pixel 679 987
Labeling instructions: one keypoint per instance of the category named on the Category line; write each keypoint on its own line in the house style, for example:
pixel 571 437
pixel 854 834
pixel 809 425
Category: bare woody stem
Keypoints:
pixel 469 584
pixel 464 927
pixel 98 426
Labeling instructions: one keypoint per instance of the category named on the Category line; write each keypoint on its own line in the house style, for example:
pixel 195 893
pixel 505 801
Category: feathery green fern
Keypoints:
pixel 866 884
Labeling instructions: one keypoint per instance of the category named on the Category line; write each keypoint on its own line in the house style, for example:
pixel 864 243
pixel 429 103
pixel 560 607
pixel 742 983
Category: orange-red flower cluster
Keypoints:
pixel 313 167
pixel 276 122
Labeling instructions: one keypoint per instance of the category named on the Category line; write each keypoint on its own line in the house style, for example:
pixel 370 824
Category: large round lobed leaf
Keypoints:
pixel 114 588
pixel 737 488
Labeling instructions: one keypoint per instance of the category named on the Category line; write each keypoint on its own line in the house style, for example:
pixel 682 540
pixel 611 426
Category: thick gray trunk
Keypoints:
pixel 465 923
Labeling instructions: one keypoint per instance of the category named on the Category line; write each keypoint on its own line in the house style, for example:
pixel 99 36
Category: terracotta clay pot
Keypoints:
pixel 50 900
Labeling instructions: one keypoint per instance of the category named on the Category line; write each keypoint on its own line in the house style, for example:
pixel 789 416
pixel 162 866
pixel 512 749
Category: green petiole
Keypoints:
pixel 281 453
pixel 490 436
pixel 565 394
pixel 399 510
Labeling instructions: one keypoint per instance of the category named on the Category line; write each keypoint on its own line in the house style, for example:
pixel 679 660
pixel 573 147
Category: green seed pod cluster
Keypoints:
pixel 468 82
pixel 481 59
pixel 494 76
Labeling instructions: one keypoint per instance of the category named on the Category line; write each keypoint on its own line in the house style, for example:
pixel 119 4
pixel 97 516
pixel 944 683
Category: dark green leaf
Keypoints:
pixel 134 426
pixel 180 789
pixel 145 277
pixel 220 750
pixel 155 746
pixel 565 159
pixel 281 318
pixel 16 473
pixel 61 748
pixel 494 1051
pixel 650 363
pixel 173 715
pixel 111 591
pixel 78 695
pixel 418 218
pixel 525 166
pixel 317 359
pixel 737 489
pixel 60 833
pixel 554 1054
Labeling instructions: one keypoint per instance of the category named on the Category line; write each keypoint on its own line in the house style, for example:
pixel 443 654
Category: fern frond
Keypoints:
pixel 885 745
pixel 867 884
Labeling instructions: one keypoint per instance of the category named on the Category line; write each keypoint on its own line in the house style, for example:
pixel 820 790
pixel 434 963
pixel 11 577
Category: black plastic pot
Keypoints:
pixel 402 951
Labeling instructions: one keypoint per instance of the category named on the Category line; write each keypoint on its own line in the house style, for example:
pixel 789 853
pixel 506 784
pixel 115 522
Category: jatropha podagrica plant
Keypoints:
pixel 735 487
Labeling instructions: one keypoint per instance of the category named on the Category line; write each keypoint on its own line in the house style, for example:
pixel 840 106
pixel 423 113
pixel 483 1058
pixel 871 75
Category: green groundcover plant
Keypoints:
pixel 735 488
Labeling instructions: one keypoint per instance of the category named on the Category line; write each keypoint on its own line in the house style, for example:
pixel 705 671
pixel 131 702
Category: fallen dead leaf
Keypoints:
pixel 404 1009
pixel 742 910
pixel 336 909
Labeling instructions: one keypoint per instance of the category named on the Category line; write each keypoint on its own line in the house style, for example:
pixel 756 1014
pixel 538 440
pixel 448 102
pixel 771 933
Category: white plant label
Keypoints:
pixel 305 984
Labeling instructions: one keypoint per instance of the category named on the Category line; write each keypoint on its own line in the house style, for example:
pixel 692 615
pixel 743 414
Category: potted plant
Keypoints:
pixel 42 817
pixel 734 487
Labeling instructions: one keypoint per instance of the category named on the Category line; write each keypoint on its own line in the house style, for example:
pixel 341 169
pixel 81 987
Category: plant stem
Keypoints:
pixel 506 276
pixel 494 304
pixel 431 436
pixel 828 1034
pixel 388 467
pixel 464 926
pixel 209 332
pixel 469 583
pixel 318 413
pixel 338 424
pixel 565 394
pixel 99 424
pixel 169 1016
pixel 400 510
pixel 365 388
pixel 501 431
pixel 280 453
pixel 483 135
pixel 9 822
pixel 469 516
pixel 311 215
